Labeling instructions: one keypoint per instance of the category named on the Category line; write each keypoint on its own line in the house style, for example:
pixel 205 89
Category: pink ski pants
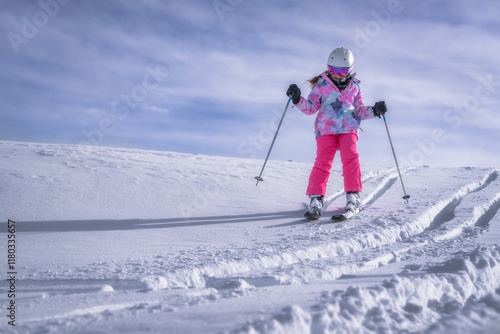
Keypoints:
pixel 327 145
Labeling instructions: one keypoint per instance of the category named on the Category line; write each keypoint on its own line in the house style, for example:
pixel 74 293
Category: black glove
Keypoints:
pixel 294 92
pixel 379 108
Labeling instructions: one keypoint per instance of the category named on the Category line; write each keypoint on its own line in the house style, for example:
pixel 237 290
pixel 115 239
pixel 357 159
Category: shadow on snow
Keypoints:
pixel 136 224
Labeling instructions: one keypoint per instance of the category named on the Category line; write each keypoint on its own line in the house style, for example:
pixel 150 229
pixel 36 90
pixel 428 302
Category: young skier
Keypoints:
pixel 336 96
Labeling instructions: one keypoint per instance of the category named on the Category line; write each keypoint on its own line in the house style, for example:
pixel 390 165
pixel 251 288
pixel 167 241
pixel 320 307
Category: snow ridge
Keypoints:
pixel 396 305
pixel 341 245
pixel 425 220
pixel 366 177
pixel 323 246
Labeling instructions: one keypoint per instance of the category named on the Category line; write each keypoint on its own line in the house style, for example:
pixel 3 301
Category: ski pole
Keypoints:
pixel 259 178
pixel 406 197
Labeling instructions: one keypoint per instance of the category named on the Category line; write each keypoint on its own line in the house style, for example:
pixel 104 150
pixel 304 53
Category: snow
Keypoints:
pixel 112 240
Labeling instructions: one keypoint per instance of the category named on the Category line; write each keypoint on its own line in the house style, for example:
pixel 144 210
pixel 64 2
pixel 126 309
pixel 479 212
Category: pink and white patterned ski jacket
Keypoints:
pixel 339 111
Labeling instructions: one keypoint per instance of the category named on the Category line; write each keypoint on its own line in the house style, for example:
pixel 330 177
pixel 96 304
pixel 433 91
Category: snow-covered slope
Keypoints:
pixel 127 241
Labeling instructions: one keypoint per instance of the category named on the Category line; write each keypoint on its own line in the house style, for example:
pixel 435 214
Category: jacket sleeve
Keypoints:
pixel 312 104
pixel 365 112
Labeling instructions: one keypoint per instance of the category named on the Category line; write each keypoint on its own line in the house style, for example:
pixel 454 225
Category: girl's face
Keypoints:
pixel 338 72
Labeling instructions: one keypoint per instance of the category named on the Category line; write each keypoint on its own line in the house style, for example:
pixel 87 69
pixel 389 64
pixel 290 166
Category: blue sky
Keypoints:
pixel 210 77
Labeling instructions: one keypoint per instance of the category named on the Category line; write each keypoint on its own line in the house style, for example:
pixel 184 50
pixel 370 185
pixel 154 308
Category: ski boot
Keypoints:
pixel 315 207
pixel 353 202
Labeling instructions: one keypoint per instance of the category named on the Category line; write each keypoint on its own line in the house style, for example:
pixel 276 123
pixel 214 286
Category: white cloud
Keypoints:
pixel 230 75
pixel 156 109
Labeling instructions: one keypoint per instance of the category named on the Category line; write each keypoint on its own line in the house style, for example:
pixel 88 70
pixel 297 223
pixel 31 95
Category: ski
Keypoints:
pixel 345 216
pixel 312 215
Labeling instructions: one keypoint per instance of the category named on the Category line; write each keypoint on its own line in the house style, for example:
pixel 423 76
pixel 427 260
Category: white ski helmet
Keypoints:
pixel 341 57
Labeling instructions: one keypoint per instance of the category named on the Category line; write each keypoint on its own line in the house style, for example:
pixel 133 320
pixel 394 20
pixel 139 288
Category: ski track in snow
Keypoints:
pixel 463 280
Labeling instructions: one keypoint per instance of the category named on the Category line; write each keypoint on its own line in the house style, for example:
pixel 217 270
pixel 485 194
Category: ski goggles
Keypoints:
pixel 338 71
